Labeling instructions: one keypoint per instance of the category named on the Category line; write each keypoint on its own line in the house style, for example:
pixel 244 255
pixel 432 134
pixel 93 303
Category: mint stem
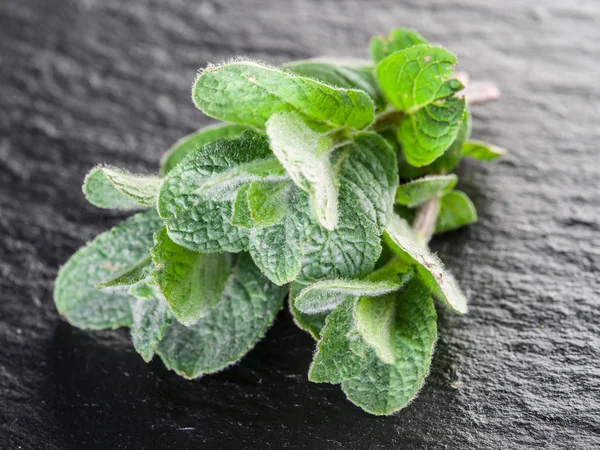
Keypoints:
pixel 424 224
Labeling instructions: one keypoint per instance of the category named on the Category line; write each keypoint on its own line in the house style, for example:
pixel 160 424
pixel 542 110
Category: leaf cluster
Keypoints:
pixel 308 188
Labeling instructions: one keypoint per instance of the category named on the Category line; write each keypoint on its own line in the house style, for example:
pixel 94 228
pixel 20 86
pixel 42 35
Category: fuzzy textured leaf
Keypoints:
pixel 278 249
pixel 305 154
pixel 456 210
pixel 75 293
pixel 241 215
pixel 130 275
pixel 298 247
pixel 400 39
pixel 482 150
pixel 427 133
pixel 340 75
pixel 403 241
pixel 311 323
pixel 151 318
pixel 191 282
pixel 379 349
pixel 341 350
pixel 248 93
pixel 197 195
pixel 268 200
pixel 367 183
pixel 415 77
pixel 191 142
pixel 145 289
pixel 325 295
pixel 418 191
pixel 112 188
pixel 229 330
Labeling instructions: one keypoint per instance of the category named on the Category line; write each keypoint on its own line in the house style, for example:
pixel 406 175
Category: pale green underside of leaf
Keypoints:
pixel 305 154
pixel 379 349
pixel 191 282
pixel 151 318
pixel 145 289
pixel 482 150
pixel 130 275
pixel 399 39
pixel 456 210
pixel 311 323
pixel 403 241
pixel 112 188
pixel 325 295
pixel 191 142
pixel 415 77
pixel 227 331
pixel 248 93
pixel 199 218
pixel 75 293
pixel 417 192
pixel 429 131
pixel 340 75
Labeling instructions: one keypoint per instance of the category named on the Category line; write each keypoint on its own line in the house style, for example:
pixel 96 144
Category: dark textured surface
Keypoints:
pixel 84 82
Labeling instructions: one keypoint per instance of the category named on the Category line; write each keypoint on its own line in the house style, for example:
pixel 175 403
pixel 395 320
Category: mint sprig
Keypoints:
pixel 325 184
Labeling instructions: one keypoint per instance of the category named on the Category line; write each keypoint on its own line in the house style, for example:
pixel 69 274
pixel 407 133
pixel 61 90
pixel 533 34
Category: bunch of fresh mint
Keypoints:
pixel 325 185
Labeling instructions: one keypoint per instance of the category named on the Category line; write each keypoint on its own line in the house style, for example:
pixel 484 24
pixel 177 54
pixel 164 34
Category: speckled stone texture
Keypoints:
pixel 91 81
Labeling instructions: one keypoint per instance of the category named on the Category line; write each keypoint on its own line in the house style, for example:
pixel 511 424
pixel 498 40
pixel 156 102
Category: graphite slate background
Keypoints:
pixel 90 81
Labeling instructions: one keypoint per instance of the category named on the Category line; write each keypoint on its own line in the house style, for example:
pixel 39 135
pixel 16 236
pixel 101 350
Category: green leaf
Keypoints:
pixel 268 200
pixel 145 289
pixel 229 330
pixel 341 350
pixel 325 295
pixel 379 349
pixel 400 39
pixel 456 210
pixel 75 293
pixel 305 154
pixel 151 318
pixel 197 195
pixel 401 332
pixel 482 150
pixel 191 282
pixel 417 76
pixel 419 191
pixel 341 76
pixel 241 215
pixel 427 133
pixel 191 142
pixel 248 93
pixel 367 183
pixel 453 154
pixel 129 275
pixel 403 241
pixel 262 203
pixel 311 323
pixel 278 249
pixel 112 188
pixel 298 247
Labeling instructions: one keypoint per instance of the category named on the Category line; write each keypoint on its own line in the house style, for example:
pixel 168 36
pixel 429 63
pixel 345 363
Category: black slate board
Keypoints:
pixel 90 81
